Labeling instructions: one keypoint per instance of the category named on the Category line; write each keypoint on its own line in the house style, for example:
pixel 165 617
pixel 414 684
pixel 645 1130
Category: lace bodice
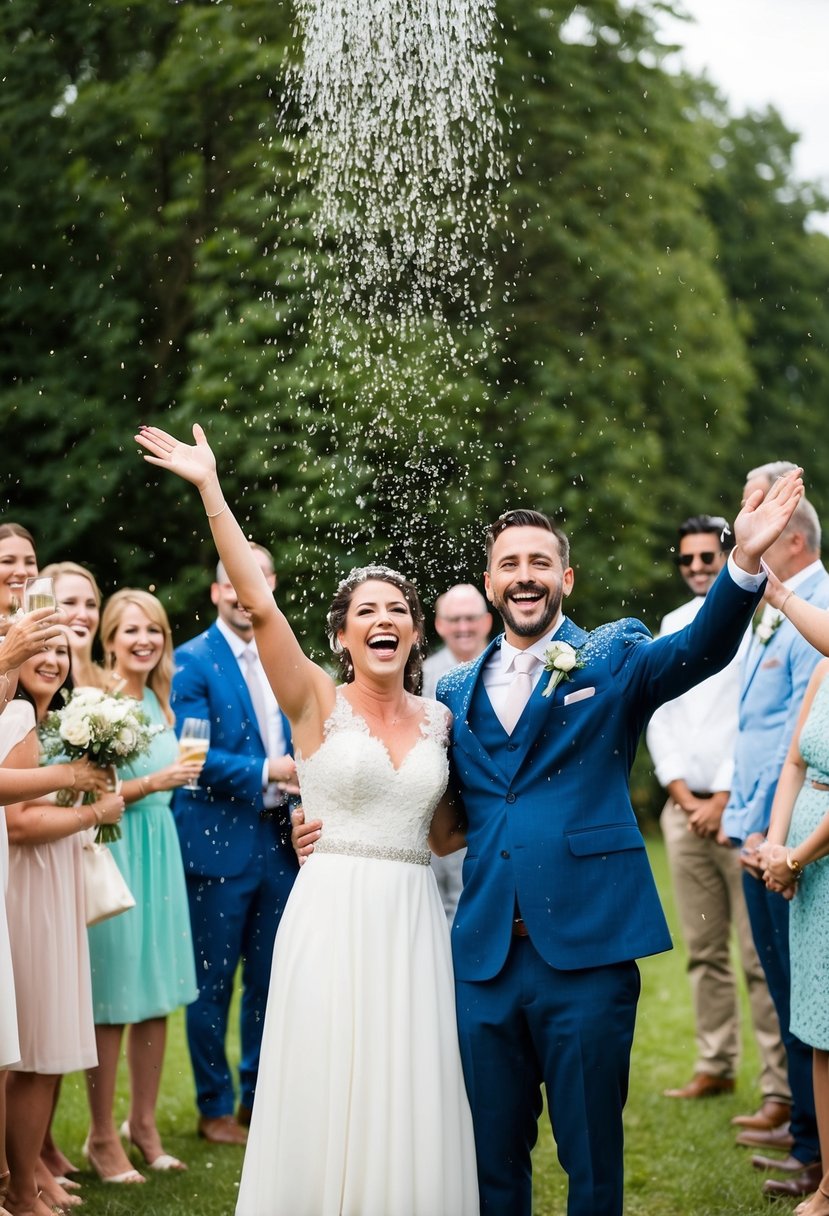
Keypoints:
pixel 368 807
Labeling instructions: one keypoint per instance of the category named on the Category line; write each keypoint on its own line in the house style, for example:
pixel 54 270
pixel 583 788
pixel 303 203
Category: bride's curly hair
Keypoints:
pixel 337 613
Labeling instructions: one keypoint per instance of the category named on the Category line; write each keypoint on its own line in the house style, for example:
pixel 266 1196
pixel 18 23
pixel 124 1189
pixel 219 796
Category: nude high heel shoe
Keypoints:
pixel 128 1176
pixel 163 1162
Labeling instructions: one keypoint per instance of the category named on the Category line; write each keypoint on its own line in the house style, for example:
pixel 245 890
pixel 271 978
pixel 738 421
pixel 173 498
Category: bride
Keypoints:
pixel 360 1104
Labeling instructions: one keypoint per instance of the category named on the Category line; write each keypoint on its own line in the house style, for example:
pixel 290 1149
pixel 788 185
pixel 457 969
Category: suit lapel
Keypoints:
pixel 227 664
pixel 758 652
pixel 463 733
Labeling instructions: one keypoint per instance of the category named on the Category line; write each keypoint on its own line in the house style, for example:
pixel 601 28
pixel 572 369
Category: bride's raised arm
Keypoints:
pixel 304 691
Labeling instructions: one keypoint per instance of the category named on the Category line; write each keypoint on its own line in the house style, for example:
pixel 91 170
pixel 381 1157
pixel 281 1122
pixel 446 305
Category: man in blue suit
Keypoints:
pixel 238 863
pixel 776 670
pixel 558 896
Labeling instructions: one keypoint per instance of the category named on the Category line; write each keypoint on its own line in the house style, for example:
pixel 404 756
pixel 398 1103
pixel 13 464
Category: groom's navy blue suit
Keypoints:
pixel 552 838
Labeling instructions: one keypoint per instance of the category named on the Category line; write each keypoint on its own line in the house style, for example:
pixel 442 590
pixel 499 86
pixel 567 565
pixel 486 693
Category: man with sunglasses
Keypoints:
pixel 691 740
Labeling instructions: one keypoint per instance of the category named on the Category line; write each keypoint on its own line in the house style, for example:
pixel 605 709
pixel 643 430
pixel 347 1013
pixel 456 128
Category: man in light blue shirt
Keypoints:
pixel 777 669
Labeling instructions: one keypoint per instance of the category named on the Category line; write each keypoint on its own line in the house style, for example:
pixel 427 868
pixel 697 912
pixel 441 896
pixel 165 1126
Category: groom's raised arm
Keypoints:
pixel 667 667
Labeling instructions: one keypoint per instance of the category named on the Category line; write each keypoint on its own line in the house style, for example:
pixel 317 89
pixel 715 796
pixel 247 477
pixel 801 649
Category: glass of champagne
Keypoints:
pixel 39 592
pixel 193 743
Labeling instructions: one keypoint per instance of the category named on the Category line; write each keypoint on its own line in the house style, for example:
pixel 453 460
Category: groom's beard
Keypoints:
pixel 547 609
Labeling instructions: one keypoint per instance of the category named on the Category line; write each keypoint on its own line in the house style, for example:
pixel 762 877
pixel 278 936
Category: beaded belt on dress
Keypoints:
pixel 377 852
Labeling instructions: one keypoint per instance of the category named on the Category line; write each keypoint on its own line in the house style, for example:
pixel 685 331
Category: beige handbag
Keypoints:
pixel 105 888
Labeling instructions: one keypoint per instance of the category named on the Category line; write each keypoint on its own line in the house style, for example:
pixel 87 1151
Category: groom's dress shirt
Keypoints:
pixel 498 673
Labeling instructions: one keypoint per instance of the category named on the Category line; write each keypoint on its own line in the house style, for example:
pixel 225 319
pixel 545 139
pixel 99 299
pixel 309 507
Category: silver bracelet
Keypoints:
pixel 223 507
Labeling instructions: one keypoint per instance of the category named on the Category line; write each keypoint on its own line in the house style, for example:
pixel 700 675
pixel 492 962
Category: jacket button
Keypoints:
pixel 510 797
pixel 505 854
pixel 512 747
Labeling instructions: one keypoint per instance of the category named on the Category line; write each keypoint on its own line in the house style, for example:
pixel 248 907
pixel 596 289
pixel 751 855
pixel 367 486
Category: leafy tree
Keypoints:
pixel 159 265
pixel 777 273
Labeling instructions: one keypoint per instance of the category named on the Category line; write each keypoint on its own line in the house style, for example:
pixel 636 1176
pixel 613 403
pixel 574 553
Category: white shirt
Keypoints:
pixel 498 673
pixel 692 738
pixel 436 666
pixel 276 744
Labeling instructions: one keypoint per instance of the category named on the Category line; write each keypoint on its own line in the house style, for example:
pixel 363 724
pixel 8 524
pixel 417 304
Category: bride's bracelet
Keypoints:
pixel 785 601
pixel 223 507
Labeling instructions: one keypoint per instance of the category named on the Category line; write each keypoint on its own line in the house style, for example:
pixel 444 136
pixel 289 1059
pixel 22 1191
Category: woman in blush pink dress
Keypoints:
pixel 47 931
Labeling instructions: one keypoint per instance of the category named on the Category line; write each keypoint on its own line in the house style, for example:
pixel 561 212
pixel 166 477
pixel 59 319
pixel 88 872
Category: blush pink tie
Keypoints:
pixel 524 667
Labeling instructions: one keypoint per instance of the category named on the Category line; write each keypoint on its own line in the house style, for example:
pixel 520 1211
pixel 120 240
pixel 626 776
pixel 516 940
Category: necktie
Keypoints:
pixel 250 663
pixel 519 691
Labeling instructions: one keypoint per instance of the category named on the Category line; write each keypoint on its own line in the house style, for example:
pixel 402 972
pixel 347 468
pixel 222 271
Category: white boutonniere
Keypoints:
pixel 560 659
pixel 767 626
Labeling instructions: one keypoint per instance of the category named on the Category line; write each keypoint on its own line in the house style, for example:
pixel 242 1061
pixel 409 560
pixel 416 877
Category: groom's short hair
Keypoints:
pixel 522 518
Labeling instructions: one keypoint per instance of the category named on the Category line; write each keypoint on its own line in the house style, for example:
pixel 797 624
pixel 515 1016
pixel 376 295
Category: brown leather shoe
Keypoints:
pixel 788 1165
pixel 702 1085
pixel 771 1114
pixel 222 1130
pixel 776 1137
pixel 793 1188
pixel 243 1114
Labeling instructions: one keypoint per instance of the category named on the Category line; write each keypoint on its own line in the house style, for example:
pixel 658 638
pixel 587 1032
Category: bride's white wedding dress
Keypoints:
pixel 360 1105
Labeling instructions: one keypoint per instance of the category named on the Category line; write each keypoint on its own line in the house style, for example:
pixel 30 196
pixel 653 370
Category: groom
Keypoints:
pixel 558 896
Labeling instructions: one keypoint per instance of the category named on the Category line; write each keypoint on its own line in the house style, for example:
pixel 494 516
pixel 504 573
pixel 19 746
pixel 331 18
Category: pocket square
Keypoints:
pixel 769 664
pixel 581 695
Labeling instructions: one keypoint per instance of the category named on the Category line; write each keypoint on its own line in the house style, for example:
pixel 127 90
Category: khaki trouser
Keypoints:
pixel 709 897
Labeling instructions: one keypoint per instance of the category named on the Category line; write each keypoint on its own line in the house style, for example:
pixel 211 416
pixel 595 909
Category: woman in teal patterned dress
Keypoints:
pixel 142 960
pixel 798 866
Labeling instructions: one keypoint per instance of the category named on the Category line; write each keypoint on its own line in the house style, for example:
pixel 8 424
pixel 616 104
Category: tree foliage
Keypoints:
pixel 656 327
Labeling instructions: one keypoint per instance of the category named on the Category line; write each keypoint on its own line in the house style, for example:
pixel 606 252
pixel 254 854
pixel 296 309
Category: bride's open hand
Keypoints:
pixel 194 462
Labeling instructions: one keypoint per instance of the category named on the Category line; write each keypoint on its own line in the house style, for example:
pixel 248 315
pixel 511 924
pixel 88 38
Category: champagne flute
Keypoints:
pixel 193 743
pixel 39 592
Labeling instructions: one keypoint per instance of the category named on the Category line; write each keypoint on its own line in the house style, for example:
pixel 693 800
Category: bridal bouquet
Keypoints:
pixel 106 728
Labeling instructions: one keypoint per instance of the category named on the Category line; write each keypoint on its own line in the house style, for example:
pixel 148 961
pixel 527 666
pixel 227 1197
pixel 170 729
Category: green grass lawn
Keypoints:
pixel 680 1160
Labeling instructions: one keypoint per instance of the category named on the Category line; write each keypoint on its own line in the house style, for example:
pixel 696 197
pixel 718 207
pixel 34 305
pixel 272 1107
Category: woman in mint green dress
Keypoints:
pixel 797 865
pixel 142 961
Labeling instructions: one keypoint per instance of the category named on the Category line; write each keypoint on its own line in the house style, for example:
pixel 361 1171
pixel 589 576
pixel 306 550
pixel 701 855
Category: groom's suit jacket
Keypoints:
pixel 551 830
pixel 219 824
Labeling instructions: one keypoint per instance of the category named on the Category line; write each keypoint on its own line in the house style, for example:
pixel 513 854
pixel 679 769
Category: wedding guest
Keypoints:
pixel 17 563
pixel 796 866
pixel 233 832
pixel 23 638
pixel 463 622
pixel 810 620
pixel 775 675
pixel 47 930
pixel 16 785
pixel 691 740
pixel 142 960
pixel 79 601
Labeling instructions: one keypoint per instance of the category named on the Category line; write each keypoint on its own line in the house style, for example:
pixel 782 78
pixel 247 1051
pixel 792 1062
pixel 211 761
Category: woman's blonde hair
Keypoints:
pixel 56 569
pixel 160 679
pixel 85 672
